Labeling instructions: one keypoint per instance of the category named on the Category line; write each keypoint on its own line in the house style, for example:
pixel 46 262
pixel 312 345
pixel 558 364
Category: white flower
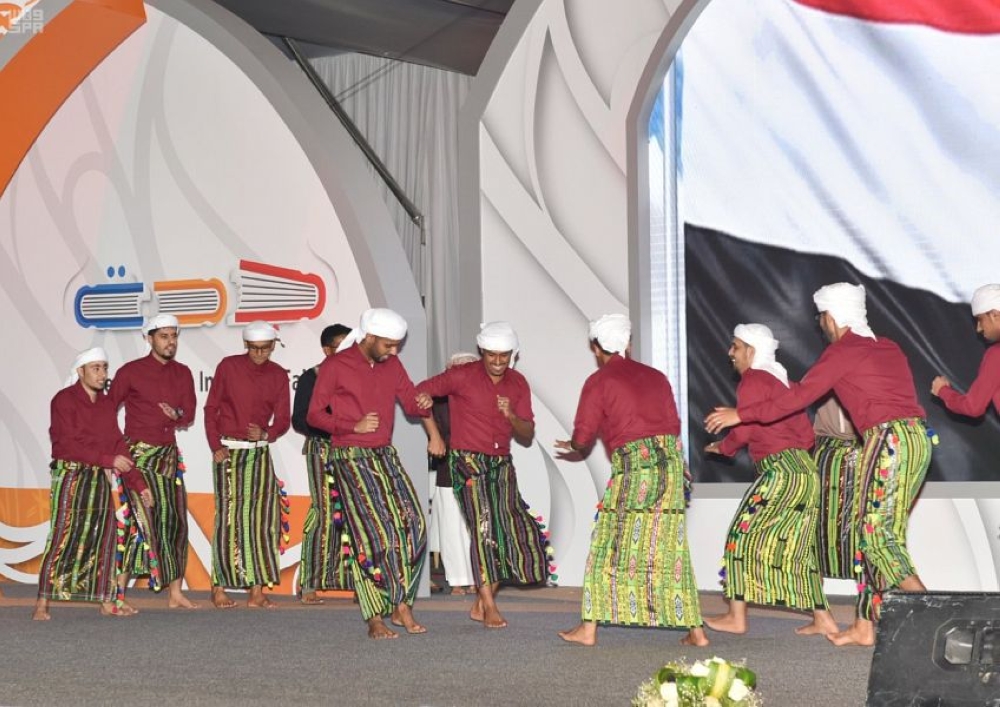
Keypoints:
pixel 699 669
pixel 738 691
pixel 668 691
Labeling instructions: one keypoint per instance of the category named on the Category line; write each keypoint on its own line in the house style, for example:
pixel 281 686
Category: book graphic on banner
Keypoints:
pixel 193 302
pixel 115 305
pixel 276 294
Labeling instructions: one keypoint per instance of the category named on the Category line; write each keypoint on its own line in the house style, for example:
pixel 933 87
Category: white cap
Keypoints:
pixel 85 357
pixel 764 347
pixel 613 332
pixel 380 322
pixel 498 337
pixel 259 331
pixel 846 304
pixel 985 299
pixel 160 321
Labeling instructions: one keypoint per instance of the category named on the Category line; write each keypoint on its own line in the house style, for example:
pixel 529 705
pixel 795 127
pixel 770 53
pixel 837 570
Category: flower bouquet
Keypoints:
pixel 707 683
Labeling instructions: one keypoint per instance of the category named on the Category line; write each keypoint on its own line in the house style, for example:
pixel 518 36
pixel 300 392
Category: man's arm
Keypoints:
pixel 300 404
pixel 982 390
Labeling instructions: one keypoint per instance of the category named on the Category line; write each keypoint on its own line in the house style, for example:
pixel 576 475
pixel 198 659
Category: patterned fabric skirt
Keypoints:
pixel 837 542
pixel 247 520
pixel 506 541
pixel 384 536
pixel 322 566
pixel 638 572
pixel 79 559
pixel 770 556
pixel 893 466
pixel 162 541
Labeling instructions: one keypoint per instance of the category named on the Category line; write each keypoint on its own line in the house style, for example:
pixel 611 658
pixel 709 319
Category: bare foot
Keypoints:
pixel 476 614
pixel 221 600
pixel 727 623
pixel 822 625
pixel 585 634
pixel 402 615
pixel 311 598
pixel 493 619
pixel 378 630
pixel 695 637
pixel 861 633
pixel 41 612
pixel 179 601
pixel 111 608
pixel 259 600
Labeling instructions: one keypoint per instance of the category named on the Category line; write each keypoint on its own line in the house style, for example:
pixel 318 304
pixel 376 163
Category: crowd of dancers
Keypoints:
pixel 831 498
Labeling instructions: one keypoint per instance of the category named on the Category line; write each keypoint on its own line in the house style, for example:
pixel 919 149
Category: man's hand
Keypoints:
pixel 503 405
pixel 712 448
pixel 220 455
pixel 721 418
pixel 424 401
pixel 367 424
pixel 938 383
pixel 147 498
pixel 170 412
pixel 123 463
pixel 255 432
pixel 436 446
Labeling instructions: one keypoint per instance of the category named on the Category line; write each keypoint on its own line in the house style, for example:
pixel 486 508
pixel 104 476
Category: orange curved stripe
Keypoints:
pixel 43 74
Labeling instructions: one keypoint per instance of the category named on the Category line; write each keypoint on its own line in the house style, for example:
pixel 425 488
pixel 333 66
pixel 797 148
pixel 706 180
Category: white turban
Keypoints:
pixel 612 332
pixel 259 331
pixel 764 345
pixel 846 304
pixel 499 337
pixel 985 299
pixel 160 321
pixel 85 357
pixel 377 322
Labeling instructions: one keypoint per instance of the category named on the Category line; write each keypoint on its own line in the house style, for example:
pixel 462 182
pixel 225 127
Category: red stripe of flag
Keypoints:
pixel 964 16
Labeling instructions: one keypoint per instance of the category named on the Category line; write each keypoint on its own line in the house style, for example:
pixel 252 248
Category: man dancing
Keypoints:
pixel 89 457
pixel 158 394
pixel 871 377
pixel 986 387
pixel 246 410
pixel 489 405
pixel 384 533
pixel 639 570
pixel 770 552
pixel 321 566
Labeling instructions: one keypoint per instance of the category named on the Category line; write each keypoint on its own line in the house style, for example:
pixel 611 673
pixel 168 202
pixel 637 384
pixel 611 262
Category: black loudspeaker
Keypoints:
pixel 937 650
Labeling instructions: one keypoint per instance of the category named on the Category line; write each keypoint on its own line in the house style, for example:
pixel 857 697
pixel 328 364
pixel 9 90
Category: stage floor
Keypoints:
pixel 320 655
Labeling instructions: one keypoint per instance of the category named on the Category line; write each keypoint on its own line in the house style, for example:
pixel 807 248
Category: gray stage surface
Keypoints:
pixel 298 655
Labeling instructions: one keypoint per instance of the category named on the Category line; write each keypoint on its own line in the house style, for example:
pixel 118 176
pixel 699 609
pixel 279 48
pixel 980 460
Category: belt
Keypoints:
pixel 243 443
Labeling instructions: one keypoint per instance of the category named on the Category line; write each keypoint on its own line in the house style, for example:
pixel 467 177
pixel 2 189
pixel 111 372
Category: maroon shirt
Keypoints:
pixel 477 425
pixel 242 393
pixel 145 383
pixel 985 388
pixel 624 401
pixel 792 432
pixel 871 378
pixel 86 431
pixel 352 387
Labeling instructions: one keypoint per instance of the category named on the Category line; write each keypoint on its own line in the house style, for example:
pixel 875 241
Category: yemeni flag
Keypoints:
pixel 842 140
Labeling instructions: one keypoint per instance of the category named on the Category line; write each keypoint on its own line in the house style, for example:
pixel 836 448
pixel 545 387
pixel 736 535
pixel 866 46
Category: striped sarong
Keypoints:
pixel 770 556
pixel 837 541
pixel 383 537
pixel 163 529
pixel 638 572
pixel 79 559
pixel 507 543
pixel 894 462
pixel 247 520
pixel 322 567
